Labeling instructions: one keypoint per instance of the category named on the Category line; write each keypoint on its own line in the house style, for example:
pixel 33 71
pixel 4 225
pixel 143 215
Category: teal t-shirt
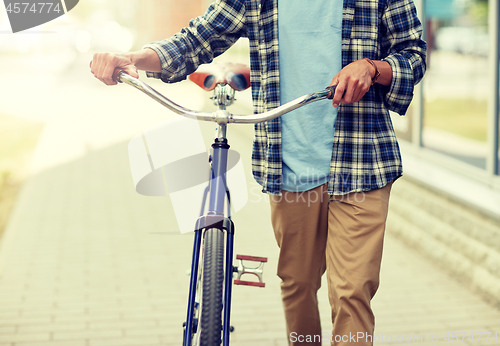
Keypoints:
pixel 310 51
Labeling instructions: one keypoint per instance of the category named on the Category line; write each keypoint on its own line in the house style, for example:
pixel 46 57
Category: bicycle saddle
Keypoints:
pixel 208 76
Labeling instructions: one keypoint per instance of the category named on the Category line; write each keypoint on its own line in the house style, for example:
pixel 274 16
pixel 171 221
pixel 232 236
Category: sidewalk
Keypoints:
pixel 86 261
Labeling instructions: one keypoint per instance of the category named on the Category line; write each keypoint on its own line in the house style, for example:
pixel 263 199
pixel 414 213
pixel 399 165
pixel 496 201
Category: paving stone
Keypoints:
pixel 25 337
pixel 8 329
pixel 54 343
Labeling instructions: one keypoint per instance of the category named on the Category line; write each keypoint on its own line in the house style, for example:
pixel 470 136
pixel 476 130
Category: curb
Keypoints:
pixel 472 262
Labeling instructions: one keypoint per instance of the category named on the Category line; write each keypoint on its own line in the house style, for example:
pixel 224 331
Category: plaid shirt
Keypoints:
pixel 365 153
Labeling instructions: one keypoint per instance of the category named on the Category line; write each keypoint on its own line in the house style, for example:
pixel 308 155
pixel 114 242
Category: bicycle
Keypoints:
pixel 209 299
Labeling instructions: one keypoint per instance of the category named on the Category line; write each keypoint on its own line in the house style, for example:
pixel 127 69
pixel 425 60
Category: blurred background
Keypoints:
pixel 84 260
pixel 38 64
pixel 457 101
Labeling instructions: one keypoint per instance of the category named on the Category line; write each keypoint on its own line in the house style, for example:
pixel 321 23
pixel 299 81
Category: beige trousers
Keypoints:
pixel 342 235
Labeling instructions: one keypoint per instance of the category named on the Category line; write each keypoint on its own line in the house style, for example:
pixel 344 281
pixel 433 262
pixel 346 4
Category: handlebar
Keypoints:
pixel 223 116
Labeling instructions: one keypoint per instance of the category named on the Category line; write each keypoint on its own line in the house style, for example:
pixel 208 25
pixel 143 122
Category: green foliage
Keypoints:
pixel 464 117
pixel 478 11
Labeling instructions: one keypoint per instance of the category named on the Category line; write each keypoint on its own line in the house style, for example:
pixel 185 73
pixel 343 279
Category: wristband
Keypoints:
pixel 377 73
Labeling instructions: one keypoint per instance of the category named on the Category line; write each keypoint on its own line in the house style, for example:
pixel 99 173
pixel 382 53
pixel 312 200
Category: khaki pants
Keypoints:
pixel 342 235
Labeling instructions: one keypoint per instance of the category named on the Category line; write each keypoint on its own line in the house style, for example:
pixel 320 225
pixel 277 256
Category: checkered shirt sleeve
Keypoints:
pixel 406 52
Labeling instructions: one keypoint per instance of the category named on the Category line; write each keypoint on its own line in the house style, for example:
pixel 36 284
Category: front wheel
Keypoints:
pixel 213 280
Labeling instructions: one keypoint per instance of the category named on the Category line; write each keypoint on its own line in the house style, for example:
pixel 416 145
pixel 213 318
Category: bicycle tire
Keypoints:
pixel 213 280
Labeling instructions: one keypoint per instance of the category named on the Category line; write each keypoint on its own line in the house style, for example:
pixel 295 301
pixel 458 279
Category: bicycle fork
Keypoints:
pixel 216 194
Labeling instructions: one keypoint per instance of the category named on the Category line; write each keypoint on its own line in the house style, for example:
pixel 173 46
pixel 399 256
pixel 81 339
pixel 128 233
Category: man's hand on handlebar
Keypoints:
pixel 354 80
pixel 103 66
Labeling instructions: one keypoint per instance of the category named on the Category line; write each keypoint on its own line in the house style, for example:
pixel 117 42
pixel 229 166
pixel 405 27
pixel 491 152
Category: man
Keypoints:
pixel 329 170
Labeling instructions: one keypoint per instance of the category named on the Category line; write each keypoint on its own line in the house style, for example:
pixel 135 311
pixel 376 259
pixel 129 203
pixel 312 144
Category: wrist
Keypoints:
pixel 136 58
pixel 145 59
pixel 376 74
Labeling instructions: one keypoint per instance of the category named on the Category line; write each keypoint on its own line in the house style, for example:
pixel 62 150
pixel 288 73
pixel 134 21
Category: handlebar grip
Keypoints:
pixel 117 74
pixel 332 91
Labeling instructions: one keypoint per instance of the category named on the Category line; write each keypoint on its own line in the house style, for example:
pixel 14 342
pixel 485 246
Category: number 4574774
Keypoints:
pixel 38 7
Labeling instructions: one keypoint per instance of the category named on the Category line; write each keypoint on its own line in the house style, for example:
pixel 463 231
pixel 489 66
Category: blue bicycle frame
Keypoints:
pixel 215 218
pixel 216 193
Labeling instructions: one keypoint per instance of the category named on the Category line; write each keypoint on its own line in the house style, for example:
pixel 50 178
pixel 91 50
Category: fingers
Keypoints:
pixel 100 65
pixel 103 66
pixel 357 89
pixel 339 92
pixel 353 82
pixel 131 70
pixel 349 90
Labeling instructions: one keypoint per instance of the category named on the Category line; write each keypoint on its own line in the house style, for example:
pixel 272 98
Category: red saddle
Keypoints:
pixel 208 76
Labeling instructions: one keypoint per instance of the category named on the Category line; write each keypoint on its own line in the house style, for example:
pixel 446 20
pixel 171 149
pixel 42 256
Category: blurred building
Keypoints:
pixel 159 19
pixel 448 206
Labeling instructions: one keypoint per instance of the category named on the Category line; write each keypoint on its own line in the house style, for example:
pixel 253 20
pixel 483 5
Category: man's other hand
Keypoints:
pixel 103 66
pixel 354 80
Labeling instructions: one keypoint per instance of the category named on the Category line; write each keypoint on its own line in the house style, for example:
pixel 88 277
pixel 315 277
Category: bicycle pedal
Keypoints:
pixel 244 269
pixel 249 283
pixel 251 258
